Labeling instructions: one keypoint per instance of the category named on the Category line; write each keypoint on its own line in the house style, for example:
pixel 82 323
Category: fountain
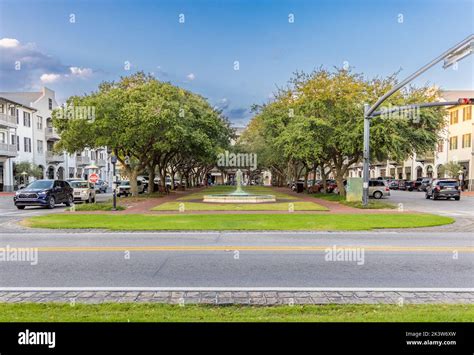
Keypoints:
pixel 239 195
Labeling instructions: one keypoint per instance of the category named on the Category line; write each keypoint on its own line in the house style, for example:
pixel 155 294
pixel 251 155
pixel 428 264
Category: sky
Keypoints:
pixel 236 53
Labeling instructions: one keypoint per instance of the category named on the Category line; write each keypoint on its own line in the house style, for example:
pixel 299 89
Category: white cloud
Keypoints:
pixel 49 78
pixel 80 72
pixel 9 43
pixel 191 76
pixel 36 67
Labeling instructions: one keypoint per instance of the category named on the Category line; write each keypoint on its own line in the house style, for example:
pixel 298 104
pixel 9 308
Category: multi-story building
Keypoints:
pixel 27 135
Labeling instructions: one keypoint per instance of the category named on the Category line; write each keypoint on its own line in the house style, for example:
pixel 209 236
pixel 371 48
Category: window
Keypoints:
pixel 13 140
pixel 2 108
pixel 440 147
pixel 39 122
pixel 453 119
pixel 453 143
pixel 466 140
pixel 50 104
pixel 27 144
pixel 17 143
pixel 26 119
pixel 39 146
pixel 467 113
pixel 3 137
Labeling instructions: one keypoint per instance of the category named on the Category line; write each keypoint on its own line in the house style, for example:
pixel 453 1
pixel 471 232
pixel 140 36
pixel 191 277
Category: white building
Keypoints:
pixel 27 134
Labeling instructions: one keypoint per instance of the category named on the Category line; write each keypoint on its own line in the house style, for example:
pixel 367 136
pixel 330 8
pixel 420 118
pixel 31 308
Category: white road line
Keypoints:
pixel 248 289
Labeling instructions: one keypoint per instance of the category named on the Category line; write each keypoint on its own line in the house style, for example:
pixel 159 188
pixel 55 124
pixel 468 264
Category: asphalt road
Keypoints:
pixel 416 201
pixel 284 259
pixel 408 259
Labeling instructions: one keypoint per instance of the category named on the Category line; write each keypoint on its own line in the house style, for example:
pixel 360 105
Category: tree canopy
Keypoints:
pixel 149 125
pixel 317 121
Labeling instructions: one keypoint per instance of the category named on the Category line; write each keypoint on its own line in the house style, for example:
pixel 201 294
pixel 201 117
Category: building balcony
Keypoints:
pixel 7 120
pixel 425 158
pixel 8 150
pixel 82 161
pixel 100 162
pixel 52 157
pixel 51 134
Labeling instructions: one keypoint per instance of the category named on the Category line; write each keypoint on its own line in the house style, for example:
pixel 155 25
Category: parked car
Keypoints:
pixel 46 193
pixel 394 184
pixel 124 188
pixel 409 185
pixel 443 188
pixel 101 186
pixel 425 183
pixel 378 188
pixel 84 191
pixel 417 183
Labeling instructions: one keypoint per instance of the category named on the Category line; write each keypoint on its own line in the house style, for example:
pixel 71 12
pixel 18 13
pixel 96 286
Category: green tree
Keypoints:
pixel 326 108
pixel 451 169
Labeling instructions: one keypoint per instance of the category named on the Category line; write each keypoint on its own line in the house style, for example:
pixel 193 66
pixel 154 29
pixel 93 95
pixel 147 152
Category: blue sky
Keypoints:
pixel 199 54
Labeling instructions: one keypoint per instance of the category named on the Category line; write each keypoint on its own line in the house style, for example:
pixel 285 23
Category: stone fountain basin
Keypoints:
pixel 247 198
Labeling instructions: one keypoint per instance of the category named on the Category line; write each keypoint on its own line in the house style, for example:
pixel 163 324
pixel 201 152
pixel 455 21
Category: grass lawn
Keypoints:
pixel 237 221
pixel 371 205
pixel 133 312
pixel 99 206
pixel 262 190
pixel 328 197
pixel 196 206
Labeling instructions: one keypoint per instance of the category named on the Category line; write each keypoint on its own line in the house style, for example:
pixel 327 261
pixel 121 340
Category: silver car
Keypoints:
pixel 379 189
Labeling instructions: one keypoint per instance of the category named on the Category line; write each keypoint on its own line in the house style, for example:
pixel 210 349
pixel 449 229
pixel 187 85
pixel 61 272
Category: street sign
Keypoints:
pixel 93 178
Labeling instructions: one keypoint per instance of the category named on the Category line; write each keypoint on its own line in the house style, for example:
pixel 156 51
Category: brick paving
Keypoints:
pixel 268 298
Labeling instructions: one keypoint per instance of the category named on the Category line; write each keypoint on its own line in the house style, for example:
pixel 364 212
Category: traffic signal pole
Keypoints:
pixel 451 56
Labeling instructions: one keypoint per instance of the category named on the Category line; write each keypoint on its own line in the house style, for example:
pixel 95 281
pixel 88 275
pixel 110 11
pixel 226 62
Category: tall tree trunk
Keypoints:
pixel 151 178
pixel 133 182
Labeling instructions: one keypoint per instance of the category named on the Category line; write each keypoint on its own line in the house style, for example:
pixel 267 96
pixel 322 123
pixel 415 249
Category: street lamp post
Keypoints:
pixel 113 160
pixel 450 57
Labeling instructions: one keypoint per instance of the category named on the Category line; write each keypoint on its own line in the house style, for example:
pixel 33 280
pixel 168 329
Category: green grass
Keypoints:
pixel 237 221
pixel 261 190
pixel 133 312
pixel 371 205
pixel 329 197
pixel 196 206
pixel 99 206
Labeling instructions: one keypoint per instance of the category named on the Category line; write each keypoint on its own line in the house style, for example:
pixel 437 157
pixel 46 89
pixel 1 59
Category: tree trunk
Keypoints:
pixel 134 182
pixel 340 183
pixel 151 180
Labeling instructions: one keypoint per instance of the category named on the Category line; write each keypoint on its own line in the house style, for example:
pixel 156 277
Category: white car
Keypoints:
pixel 84 191
pixel 124 188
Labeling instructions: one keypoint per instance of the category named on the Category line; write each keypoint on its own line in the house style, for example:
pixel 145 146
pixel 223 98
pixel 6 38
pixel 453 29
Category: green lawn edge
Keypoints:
pixel 321 222
pixel 279 206
pixel 152 312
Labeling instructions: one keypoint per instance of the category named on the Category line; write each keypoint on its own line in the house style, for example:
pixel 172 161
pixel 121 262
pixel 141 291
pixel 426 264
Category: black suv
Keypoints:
pixel 46 193
pixel 447 188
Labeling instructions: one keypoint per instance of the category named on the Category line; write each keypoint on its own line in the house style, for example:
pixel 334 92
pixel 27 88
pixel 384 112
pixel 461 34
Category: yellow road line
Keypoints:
pixel 256 248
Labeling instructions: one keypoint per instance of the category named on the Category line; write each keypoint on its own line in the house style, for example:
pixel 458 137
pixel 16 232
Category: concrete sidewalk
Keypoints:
pixel 242 297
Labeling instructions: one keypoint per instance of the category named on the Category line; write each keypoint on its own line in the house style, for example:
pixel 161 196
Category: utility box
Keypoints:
pixel 354 189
